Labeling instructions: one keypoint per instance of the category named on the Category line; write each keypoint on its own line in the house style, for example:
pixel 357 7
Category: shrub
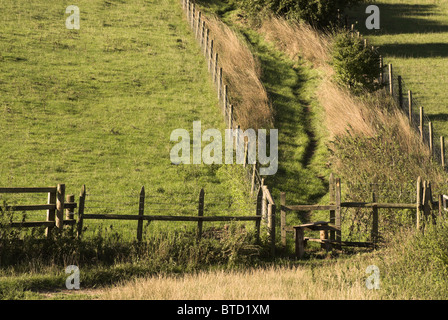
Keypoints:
pixel 355 64
pixel 319 13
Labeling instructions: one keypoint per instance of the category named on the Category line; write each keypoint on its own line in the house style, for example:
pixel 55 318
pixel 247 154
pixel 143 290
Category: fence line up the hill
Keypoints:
pixel 205 39
pixel 418 120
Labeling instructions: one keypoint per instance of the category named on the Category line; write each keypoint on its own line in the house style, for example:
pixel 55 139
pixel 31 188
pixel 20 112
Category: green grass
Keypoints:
pixel 413 36
pixel 96 106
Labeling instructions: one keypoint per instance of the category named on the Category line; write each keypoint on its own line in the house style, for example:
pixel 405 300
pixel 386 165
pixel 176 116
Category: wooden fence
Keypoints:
pixel 425 206
pixel 57 203
pixel 205 38
pixel 265 212
pixel 395 86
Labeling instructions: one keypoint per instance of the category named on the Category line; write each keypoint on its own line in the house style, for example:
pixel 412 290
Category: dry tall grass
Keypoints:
pixel 335 281
pixel 241 72
pixel 299 39
pixel 345 113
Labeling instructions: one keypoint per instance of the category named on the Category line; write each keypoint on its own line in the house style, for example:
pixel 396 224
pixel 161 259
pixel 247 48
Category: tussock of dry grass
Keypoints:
pixel 299 39
pixel 241 72
pixel 339 281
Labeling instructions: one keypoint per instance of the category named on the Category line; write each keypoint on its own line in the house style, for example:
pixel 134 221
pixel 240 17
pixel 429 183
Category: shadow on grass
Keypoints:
pixel 415 50
pixel 400 18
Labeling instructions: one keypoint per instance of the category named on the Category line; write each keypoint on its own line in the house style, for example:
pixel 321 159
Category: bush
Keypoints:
pixel 355 65
pixel 319 13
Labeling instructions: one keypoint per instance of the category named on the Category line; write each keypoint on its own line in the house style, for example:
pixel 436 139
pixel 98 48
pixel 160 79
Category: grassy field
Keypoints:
pixel 96 106
pixel 413 36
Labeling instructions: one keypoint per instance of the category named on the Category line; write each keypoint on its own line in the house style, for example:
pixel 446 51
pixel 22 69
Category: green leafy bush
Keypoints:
pixel 320 13
pixel 355 64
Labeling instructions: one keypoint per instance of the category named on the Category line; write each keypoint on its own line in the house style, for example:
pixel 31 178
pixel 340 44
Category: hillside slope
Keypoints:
pixel 97 106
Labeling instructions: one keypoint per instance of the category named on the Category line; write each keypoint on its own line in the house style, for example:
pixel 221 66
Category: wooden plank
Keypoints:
pixel 378 205
pixel 258 213
pixel 141 212
pixel 419 202
pixel 168 218
pixel 309 207
pixel 300 242
pixel 28 190
pixel 60 198
pixel 30 224
pixel 33 207
pixel 268 195
pixel 51 213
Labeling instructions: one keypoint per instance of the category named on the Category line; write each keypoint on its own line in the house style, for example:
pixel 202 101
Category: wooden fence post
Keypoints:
pixel 206 44
pixel 419 202
pixel 271 226
pixel 215 68
pixel 193 13
pixel 332 201
pixel 219 83
pixel 431 138
pixel 51 213
pixel 82 200
pixel 374 235
pixel 224 99
pixel 442 151
pixel 381 77
pixel 230 125
pixel 391 81
pixel 200 212
pixel 69 213
pixel 198 25
pixel 60 198
pixel 410 106
pixel 210 58
pixel 141 212
pixel 400 92
pixel 259 213
pixel 283 218
pixel 338 210
pixel 421 124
